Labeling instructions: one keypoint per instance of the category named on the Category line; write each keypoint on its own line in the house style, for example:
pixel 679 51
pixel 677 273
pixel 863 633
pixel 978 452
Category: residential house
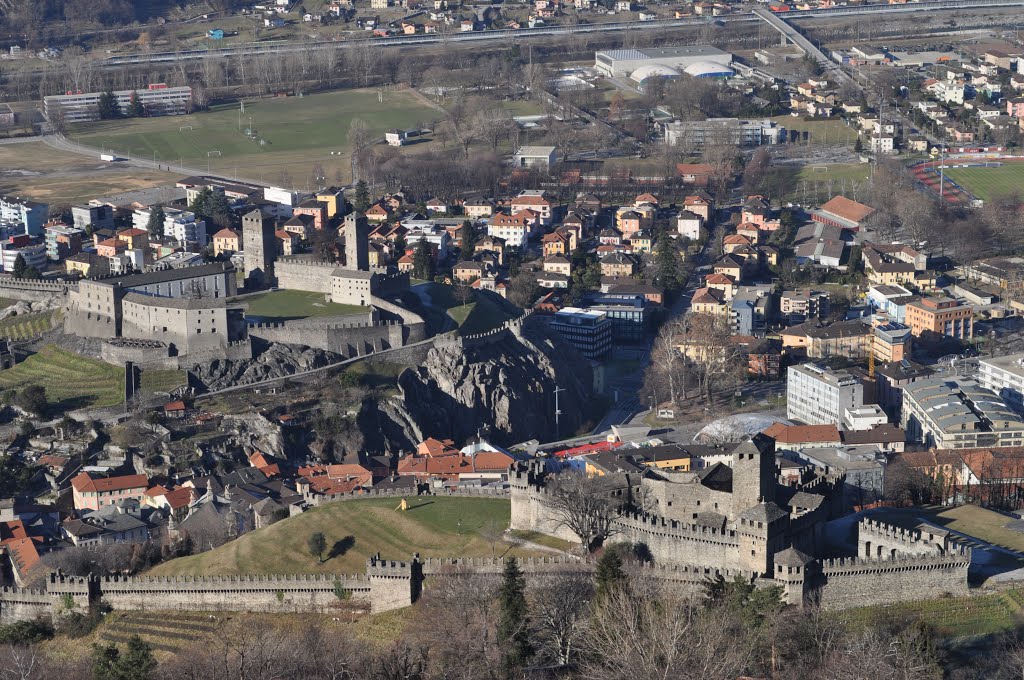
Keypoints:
pixel 92 493
pixel 226 241
pixel 618 264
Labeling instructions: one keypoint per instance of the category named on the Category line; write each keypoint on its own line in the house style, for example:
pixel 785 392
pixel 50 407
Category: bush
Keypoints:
pixel 25 632
pixel 32 399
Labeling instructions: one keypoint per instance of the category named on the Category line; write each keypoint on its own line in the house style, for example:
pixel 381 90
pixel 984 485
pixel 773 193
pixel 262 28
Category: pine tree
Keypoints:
pixel 108 106
pixel 155 226
pixel 513 618
pixel 19 267
pixel 609 574
pixel 317 545
pixel 137 662
pixel 468 236
pixel 858 145
pixel 423 261
pixel 135 108
pixel 668 263
pixel 361 200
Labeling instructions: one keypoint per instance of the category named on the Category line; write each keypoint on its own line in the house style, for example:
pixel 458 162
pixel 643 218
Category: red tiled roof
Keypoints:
pixel 794 434
pixel 226 233
pixel 847 209
pixel 24 555
pixel 453 466
pixel 85 483
pixel 433 448
pixel 174 406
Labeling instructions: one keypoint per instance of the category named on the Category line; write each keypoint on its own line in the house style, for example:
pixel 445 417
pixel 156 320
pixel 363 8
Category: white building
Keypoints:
pixel 694 134
pixel 433 235
pixel 688 224
pixel 535 157
pixel 819 396
pixel 34 255
pixel 622 63
pixel 127 262
pixel 157 99
pixel 882 143
pixel 1005 377
pixel 183 227
pixel 864 418
pixel 30 214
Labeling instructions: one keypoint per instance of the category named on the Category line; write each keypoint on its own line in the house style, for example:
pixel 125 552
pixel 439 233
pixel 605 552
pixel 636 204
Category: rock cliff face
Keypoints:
pixel 502 388
pixel 273 361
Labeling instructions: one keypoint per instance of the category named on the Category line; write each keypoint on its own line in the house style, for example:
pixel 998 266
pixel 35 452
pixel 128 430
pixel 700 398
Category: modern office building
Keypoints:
pixel 694 134
pixel 958 413
pixel 587 330
pixel 819 396
pixel 932 317
pixel 96 216
pixel 63 242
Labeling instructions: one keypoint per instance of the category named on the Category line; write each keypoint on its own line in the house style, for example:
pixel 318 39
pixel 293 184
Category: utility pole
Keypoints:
pixel 942 172
pixel 558 412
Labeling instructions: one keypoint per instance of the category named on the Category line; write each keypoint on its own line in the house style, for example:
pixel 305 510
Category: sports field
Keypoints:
pixel 987 183
pixel 71 381
pixel 290 134
pixel 433 526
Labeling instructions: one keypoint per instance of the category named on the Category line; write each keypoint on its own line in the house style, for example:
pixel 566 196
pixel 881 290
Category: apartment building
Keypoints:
pixel 157 100
pixel 940 316
pixel 1005 377
pixel 796 306
pixel 31 214
pixel 818 396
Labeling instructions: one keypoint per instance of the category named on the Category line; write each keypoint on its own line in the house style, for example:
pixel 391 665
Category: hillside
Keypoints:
pixel 433 526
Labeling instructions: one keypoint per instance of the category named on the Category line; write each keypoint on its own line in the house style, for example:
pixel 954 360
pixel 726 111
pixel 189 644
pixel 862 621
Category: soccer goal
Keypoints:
pixel 819 168
pixel 211 154
pixel 185 128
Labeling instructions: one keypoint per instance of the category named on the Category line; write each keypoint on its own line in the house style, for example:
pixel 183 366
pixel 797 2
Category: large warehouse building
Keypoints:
pixel 704 60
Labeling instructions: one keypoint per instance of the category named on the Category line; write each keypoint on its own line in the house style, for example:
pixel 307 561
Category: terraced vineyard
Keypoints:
pixel 71 381
pixel 27 326
pixel 163 631
pixel 952 617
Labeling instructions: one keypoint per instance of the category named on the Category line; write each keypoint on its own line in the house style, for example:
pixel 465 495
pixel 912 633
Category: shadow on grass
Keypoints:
pixel 418 505
pixel 341 547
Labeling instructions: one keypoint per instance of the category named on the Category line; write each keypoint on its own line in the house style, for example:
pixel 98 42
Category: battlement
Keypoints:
pixel 376 567
pixel 656 525
pixel 494 565
pixel 959 557
pixel 891 531
pixel 36 284
pixel 25 595
pixel 247 582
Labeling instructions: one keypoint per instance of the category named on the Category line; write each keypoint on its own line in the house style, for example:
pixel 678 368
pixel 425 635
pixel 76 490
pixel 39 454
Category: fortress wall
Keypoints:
pixel 304 274
pixel 674 543
pixel 859 582
pixel 878 539
pixel 33 290
pixel 18 604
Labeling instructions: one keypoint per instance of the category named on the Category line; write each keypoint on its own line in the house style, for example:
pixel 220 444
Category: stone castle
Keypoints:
pixel 739 519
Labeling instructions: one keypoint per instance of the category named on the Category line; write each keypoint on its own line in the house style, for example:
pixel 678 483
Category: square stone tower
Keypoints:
pixel 357 242
pixel 258 245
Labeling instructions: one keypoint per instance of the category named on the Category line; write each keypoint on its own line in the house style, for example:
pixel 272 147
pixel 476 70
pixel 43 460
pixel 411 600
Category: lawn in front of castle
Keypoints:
pixel 283 305
pixel 433 526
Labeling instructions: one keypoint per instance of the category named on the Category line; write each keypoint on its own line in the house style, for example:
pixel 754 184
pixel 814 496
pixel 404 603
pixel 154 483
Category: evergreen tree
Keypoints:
pixel 108 106
pixel 609 574
pixel 468 237
pixel 513 618
pixel 423 261
pixel 361 200
pixel 19 267
pixel 317 545
pixel 137 663
pixel 214 207
pixel 135 108
pixel 668 263
pixel 858 145
pixel 155 225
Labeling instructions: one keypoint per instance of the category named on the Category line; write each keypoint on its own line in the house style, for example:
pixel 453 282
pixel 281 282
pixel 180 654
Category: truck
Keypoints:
pixel 108 157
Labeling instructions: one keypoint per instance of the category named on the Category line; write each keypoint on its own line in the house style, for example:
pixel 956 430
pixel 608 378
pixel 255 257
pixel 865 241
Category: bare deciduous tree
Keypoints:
pixel 585 506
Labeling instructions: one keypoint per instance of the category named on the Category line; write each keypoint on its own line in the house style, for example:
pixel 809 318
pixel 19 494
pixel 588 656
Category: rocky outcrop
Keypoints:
pixel 502 389
pixel 272 361
pixel 21 308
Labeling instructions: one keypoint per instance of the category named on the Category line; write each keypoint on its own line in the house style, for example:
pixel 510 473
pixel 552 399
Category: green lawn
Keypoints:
pixel 297 132
pixel 71 381
pixel 433 526
pixel 988 183
pixel 479 314
pixel 833 131
pixel 162 380
pixel 280 305
pixel 951 617
pixel 26 326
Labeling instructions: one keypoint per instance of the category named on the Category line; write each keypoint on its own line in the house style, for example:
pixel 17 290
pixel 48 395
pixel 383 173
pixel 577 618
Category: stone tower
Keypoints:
pixel 258 245
pixel 357 242
pixel 754 476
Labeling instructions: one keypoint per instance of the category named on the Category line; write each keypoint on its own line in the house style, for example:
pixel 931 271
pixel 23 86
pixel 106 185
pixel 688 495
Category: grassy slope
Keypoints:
pixel 478 315
pixel 951 617
pixel 987 183
pixel 299 132
pixel 71 381
pixel 26 326
pixel 431 527
pixel 162 380
pixel 296 304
